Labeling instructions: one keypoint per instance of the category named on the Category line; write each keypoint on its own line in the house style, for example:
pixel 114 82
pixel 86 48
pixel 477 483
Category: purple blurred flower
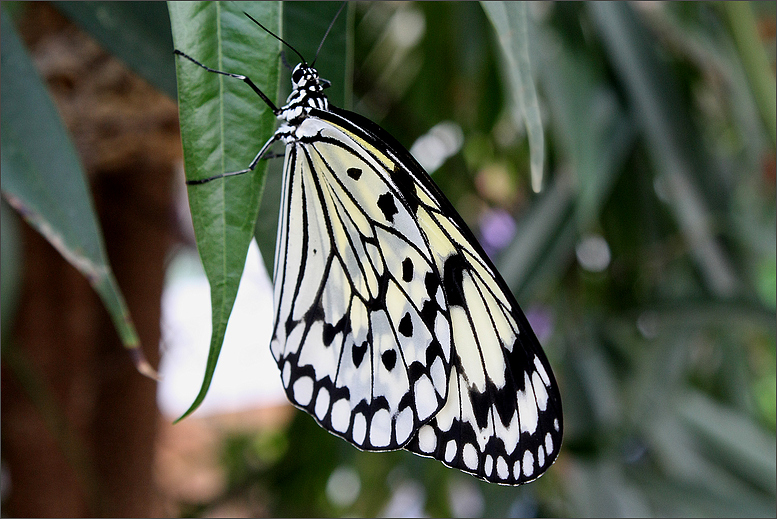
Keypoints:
pixel 497 228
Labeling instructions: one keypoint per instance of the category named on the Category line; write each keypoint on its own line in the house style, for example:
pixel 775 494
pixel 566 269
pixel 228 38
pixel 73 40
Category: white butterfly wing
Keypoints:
pixel 382 243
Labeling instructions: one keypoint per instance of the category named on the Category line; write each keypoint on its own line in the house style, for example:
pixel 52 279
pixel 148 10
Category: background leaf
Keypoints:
pixel 43 180
pixel 512 27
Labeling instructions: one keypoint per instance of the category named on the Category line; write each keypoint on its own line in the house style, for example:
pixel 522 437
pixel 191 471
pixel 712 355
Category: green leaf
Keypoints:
pixel 43 180
pixel 510 20
pixel 223 126
pixel 136 32
pixel 596 135
pixel 589 121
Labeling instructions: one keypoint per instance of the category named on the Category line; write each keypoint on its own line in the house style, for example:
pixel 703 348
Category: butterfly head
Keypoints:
pixel 307 90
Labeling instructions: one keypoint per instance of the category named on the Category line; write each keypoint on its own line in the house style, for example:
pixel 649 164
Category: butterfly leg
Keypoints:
pixel 250 167
pixel 241 77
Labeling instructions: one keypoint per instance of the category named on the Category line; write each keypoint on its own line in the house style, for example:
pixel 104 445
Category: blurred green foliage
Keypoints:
pixel 647 264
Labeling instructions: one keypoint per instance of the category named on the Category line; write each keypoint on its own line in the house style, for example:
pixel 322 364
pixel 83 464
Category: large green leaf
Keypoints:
pixel 43 180
pixel 223 126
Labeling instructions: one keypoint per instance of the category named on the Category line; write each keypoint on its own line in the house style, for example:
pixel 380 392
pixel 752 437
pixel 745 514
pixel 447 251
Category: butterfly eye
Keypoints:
pixel 297 75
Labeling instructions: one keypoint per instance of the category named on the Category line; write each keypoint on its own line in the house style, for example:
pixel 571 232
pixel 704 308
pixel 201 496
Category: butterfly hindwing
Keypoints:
pixel 361 336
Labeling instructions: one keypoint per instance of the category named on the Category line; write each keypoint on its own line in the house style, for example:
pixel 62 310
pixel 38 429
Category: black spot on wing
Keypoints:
pixel 429 313
pixel 331 330
pixel 407 270
pixel 387 206
pixel 431 281
pixel 389 359
pixel 452 279
pixel 328 334
pixel 354 173
pixel 406 187
pixel 358 353
pixel 406 325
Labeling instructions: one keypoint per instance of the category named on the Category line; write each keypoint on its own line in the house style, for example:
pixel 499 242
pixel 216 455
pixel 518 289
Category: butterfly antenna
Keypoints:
pixel 276 36
pixel 327 33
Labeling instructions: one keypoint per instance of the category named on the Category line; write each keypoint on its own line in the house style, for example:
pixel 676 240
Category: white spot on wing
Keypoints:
pixel 541 370
pixel 548 443
pixel 539 391
pixel 380 428
pixel 488 465
pixel 341 415
pixel 450 450
pixel 322 403
pixel 303 390
pixel 501 468
pixel 528 464
pixel 427 439
pixel 359 428
pixel 404 425
pixel 437 371
pixel 286 374
pixel 470 456
pixel 425 399
pixel 527 407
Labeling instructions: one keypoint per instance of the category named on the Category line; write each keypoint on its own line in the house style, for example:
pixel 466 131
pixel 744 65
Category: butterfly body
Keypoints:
pixel 392 327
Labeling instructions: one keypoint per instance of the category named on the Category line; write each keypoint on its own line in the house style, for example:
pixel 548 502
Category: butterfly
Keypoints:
pixel 392 327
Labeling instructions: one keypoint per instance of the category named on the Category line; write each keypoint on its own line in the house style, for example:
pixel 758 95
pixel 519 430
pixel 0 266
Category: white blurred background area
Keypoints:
pixel 246 375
